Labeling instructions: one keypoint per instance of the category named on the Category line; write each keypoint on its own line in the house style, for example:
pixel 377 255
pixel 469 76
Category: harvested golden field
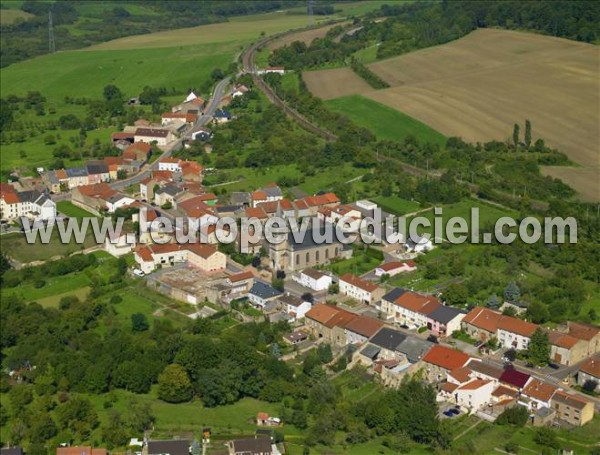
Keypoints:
pixel 479 86
pixel 329 84
pixel 586 181
pixel 306 36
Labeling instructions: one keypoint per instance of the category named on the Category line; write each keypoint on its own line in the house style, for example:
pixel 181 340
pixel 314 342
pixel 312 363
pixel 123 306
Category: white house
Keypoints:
pixel 117 201
pixel 205 257
pixel 313 279
pixel 418 244
pixel 394 268
pixel 294 306
pixel 474 394
pixel 536 395
pixel 358 289
pixel 121 244
pixel 514 333
pixel 414 310
pixel 169 164
pixel 31 204
pixel 261 294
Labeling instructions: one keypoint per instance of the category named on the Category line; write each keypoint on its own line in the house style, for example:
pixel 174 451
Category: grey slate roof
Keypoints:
pixel 414 348
pixel 251 446
pixel 273 191
pixel 388 338
pixel 240 197
pixel 171 190
pixel 170 447
pixel 445 314
pixel 485 369
pixel 76 172
pixel 306 238
pixel 96 167
pixel 370 351
pixel 394 294
pixel 264 291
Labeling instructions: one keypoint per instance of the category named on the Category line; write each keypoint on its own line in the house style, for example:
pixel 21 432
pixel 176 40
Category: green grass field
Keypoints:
pixel 69 209
pixel 357 265
pixel 396 205
pixel 384 122
pixel 8 16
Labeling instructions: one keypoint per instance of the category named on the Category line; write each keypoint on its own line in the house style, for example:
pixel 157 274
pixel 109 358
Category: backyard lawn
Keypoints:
pixel 71 210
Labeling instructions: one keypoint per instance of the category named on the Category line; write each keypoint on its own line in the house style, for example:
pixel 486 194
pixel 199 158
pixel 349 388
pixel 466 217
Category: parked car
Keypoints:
pixel 455 411
pixel 433 339
pixel 554 366
pixel 448 413
pixel 138 272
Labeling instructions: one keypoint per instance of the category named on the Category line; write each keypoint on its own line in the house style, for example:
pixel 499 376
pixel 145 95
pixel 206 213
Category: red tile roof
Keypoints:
pixel 574 401
pixel 446 358
pixel 539 390
pixel 583 331
pixel 242 276
pixel 97 190
pixel 152 132
pixel 562 340
pixel 364 326
pixel 462 374
pixel 418 303
pixel 475 384
pixel 517 326
pixel 11 198
pixel 187 117
pixel 359 283
pixel 592 366
pixel 259 196
pixel 321 313
pixel 257 212
pixel 483 318
pixel 117 136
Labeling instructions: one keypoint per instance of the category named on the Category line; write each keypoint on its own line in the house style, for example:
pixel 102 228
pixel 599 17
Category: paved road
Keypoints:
pixel 202 121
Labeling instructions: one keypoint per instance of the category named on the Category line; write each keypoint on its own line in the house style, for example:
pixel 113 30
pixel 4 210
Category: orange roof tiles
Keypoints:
pixel 359 283
pixel 539 390
pixel 562 340
pixel 446 358
pixel 483 318
pixel 259 196
pixel 418 303
pixel 97 190
pixel 364 326
pixel 11 198
pixel 242 276
pixel 583 331
pixel 462 374
pixel 592 366
pixel 321 313
pixel 257 212
pixel 474 385
pixel 517 326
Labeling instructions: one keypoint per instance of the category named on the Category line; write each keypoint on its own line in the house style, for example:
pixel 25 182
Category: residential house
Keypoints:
pixel 588 333
pixel 77 176
pixel 221 116
pixel 474 394
pixel 296 337
pixel 152 182
pixel 98 171
pixel 262 293
pixel 115 164
pixel 239 90
pixel 386 340
pixel 250 446
pixel 511 377
pixel 590 371
pixel 566 349
pixel 160 136
pixel 167 194
pixel 394 268
pixel 56 180
pixel 361 329
pixel 484 370
pixel 282 208
pixel 387 305
pixel 310 205
pixel 122 137
pixel 169 118
pixel 169 447
pixel 536 395
pixel 572 409
pixel 242 198
pixel 445 320
pixel 414 309
pixel 205 257
pixel 440 360
pixel 93 198
pixel 169 164
pixel 120 244
pixel 241 282
pixel 191 171
pixel 481 323
pixel 515 333
pixel 329 323
pixel 313 279
pixel 361 290
pixel 80 450
pixel 201 134
pixel 294 306
pixel 31 204
pixel 139 151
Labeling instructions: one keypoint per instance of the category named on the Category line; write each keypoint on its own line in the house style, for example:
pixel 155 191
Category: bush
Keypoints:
pixel 511 447
pixel 517 415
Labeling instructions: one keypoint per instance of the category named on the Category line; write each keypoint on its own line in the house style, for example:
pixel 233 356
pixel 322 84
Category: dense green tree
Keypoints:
pixel 516 134
pixel 174 385
pixel 515 415
pixel 527 133
pixel 538 350
pixel 139 322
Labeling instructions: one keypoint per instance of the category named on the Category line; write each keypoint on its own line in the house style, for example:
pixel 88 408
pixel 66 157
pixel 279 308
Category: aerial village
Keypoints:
pixel 471 356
